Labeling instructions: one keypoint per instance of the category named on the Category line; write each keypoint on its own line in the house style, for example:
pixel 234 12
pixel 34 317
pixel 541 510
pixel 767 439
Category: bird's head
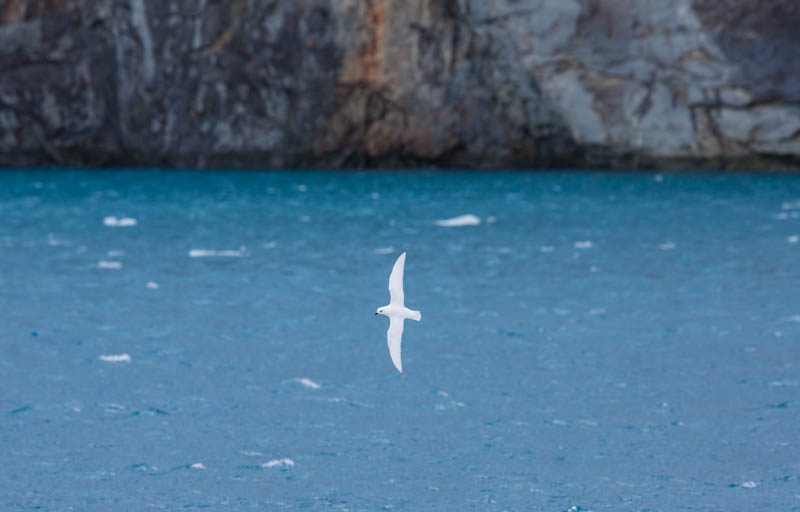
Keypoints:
pixel 380 311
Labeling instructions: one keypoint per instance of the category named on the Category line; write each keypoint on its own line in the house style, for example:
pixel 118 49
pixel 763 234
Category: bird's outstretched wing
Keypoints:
pixel 394 338
pixel 396 282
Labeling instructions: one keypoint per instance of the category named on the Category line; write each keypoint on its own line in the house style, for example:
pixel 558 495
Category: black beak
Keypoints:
pixel 376 312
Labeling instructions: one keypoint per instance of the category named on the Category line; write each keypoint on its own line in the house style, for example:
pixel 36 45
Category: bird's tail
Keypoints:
pixel 415 315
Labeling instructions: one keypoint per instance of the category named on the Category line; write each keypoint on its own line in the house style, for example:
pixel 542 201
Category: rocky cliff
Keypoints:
pixel 350 83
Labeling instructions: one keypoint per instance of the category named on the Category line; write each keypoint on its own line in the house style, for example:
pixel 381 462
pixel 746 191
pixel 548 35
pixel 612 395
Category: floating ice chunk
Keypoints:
pixel 152 285
pixel 385 250
pixel 584 244
pixel 54 242
pixel 124 222
pixel 749 484
pixel 198 465
pixel 211 253
pixel 116 358
pixel 115 265
pixel 308 383
pixel 278 463
pixel 462 220
pixel 793 239
pixel 667 246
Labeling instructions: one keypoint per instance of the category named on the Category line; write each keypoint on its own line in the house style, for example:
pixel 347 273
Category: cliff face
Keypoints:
pixel 476 83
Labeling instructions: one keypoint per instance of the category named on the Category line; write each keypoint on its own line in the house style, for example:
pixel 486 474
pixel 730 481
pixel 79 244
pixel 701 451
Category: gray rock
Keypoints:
pixel 459 83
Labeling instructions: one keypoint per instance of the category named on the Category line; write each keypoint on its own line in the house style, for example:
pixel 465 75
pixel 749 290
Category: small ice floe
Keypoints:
pixel 114 265
pixel 667 246
pixel 124 222
pixel 547 249
pixel 384 250
pixel 271 245
pixel 116 358
pixel 308 383
pixel 583 244
pixel 462 220
pixel 54 242
pixel 279 463
pixel 747 485
pixel 198 465
pixel 213 253
pixel 793 239
pixel 152 285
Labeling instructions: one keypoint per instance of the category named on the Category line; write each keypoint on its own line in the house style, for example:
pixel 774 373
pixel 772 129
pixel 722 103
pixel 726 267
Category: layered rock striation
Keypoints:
pixel 355 83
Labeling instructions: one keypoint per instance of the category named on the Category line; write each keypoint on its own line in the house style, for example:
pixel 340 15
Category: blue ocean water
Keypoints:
pixel 598 342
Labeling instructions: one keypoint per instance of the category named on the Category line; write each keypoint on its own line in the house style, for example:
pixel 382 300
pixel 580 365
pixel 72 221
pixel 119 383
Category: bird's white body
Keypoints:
pixel 397 312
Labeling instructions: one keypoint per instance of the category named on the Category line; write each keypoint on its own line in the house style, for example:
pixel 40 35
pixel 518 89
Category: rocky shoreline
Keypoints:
pixel 628 84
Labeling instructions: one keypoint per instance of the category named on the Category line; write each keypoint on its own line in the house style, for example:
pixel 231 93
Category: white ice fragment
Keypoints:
pixel 462 220
pixel 384 250
pixel 152 285
pixel 793 239
pixel 584 244
pixel 667 246
pixel 124 222
pixel 308 383
pixel 749 484
pixel 198 465
pixel 116 358
pixel 210 253
pixel 278 463
pixel 116 265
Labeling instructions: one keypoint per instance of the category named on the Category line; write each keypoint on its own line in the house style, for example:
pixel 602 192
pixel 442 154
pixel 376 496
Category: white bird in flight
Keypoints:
pixel 397 312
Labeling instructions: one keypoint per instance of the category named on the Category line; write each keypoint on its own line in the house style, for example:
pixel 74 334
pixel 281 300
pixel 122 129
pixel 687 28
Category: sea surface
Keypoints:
pixel 207 340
